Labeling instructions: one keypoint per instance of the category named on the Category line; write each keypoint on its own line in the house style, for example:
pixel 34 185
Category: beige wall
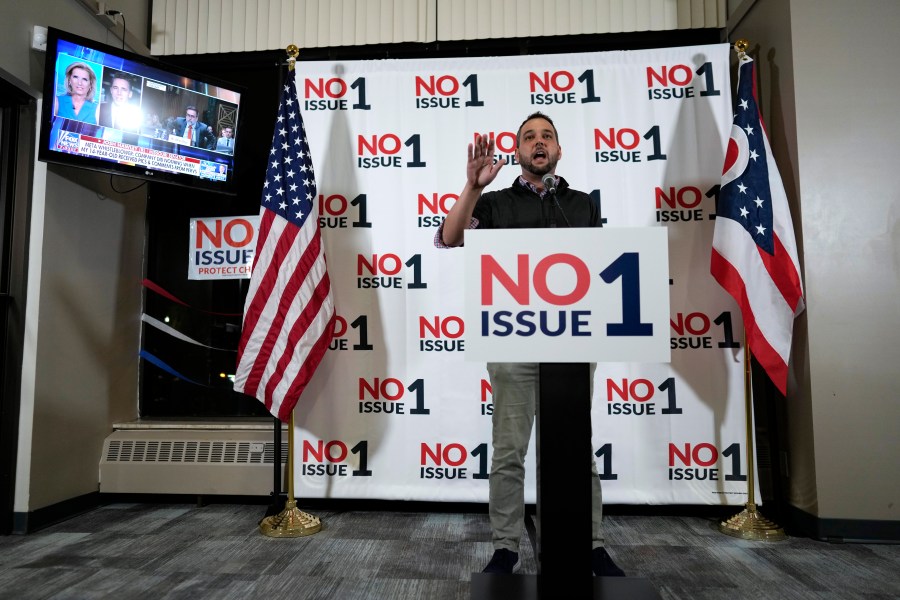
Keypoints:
pixel 828 88
pixel 75 16
pixel 86 374
pixel 846 83
pixel 84 294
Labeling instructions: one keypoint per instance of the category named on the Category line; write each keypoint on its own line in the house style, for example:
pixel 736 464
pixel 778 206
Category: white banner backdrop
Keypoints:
pixel 395 411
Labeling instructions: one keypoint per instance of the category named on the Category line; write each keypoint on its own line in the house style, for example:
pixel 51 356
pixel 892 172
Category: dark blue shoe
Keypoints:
pixel 504 561
pixel 603 565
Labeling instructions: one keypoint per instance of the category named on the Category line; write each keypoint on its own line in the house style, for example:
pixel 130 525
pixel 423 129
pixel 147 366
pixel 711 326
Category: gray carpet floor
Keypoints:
pixel 155 551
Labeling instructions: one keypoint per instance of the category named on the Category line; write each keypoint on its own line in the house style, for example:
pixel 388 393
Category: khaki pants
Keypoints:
pixel 515 388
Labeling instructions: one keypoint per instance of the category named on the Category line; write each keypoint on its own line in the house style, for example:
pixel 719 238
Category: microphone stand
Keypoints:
pixel 549 182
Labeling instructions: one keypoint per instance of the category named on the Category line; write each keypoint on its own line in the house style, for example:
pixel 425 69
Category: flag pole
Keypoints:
pixel 290 522
pixel 749 524
pixel 278 499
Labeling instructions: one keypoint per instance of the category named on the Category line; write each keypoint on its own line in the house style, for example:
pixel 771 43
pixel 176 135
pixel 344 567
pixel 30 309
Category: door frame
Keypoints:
pixel 18 126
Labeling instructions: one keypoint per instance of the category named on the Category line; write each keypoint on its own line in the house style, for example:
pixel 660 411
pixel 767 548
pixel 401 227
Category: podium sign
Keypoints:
pixel 567 295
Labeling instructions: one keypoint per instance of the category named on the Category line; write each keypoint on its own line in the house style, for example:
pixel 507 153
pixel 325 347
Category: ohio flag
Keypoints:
pixel 289 310
pixel 754 253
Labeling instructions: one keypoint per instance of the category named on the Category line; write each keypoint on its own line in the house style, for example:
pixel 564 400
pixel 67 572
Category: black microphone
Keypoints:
pixel 549 182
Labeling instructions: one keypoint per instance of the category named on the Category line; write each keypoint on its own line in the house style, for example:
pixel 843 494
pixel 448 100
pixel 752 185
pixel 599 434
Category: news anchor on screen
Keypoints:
pixel 119 112
pixel 78 101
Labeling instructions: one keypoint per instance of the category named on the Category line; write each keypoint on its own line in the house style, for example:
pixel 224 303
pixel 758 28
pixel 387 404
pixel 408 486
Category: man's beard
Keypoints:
pixel 528 165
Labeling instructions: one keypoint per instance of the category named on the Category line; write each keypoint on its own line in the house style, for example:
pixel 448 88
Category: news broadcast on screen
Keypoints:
pixel 115 111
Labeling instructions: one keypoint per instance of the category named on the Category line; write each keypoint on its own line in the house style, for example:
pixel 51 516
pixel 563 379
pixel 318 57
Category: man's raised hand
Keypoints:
pixel 480 168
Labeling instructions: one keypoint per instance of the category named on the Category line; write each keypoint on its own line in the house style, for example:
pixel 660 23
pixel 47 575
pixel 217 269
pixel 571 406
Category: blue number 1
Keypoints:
pixel 628 268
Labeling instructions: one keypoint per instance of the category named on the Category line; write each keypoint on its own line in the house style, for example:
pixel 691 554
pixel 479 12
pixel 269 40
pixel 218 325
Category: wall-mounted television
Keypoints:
pixel 122 113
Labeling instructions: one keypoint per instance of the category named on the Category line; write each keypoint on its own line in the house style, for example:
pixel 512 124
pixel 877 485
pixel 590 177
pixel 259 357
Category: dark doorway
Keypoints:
pixel 18 114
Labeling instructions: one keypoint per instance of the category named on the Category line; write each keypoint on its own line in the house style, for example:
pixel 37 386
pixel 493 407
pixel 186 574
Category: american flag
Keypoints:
pixel 754 253
pixel 289 310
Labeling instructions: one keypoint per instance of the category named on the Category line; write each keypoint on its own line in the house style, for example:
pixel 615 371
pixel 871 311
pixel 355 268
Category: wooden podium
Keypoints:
pixel 563 419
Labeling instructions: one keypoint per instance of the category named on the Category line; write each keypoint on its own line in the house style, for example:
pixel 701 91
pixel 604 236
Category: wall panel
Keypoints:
pixel 203 27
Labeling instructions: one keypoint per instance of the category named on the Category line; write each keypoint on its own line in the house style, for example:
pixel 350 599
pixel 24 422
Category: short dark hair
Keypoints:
pixel 193 108
pixel 123 76
pixel 536 115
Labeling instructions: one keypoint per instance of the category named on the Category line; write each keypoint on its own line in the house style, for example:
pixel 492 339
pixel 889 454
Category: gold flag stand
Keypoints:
pixel 290 522
pixel 749 524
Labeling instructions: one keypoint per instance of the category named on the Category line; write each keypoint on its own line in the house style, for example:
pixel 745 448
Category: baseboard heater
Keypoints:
pixel 190 461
